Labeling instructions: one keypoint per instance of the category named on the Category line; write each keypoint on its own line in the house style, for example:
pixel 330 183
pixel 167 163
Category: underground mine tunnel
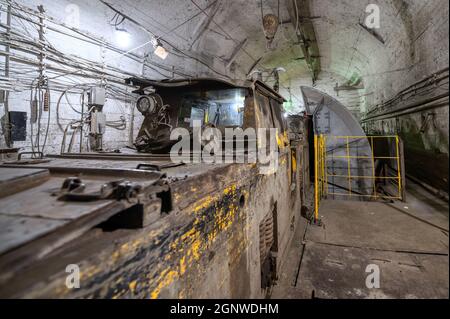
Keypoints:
pixel 212 149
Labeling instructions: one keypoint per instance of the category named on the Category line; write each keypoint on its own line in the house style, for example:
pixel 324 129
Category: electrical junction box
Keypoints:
pixel 18 122
pixel 98 123
pixel 97 96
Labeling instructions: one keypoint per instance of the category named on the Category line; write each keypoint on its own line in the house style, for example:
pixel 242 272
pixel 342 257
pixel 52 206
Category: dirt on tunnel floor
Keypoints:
pixel 407 241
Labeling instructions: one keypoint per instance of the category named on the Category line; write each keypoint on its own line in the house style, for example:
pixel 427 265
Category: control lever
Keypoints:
pixel 73 190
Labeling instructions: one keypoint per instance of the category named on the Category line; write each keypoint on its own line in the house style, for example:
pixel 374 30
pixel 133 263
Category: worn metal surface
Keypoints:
pixel 49 223
pixel 200 238
pixel 216 218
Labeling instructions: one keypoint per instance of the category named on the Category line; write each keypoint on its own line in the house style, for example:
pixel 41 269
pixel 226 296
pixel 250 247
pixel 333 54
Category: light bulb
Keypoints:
pixel 123 38
pixel 161 52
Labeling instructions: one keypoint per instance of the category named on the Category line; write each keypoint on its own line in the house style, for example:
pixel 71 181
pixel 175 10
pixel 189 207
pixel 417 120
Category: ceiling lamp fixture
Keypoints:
pixel 159 51
pixel 123 38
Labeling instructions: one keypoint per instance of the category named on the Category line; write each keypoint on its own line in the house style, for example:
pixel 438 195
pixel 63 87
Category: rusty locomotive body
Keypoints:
pixel 137 225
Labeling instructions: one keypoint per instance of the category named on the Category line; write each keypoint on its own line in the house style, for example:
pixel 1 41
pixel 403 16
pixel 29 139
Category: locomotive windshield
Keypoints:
pixel 218 108
pixel 169 108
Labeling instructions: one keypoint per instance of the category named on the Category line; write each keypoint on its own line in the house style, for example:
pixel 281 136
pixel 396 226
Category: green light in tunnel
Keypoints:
pixel 288 106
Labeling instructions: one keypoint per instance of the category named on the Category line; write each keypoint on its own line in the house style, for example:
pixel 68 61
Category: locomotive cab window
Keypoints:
pixel 217 108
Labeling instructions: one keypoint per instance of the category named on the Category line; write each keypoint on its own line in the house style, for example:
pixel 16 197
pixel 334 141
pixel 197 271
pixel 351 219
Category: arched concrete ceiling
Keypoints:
pixel 215 31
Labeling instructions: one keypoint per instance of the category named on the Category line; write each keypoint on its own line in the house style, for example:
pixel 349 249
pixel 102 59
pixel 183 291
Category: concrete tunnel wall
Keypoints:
pixel 413 46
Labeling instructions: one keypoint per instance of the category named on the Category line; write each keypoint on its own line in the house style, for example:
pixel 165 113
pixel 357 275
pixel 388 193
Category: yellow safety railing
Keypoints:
pixel 320 172
pixel 388 164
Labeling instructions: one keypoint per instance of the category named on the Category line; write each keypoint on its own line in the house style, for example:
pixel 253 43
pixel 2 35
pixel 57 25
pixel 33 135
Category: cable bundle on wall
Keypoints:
pixel 53 71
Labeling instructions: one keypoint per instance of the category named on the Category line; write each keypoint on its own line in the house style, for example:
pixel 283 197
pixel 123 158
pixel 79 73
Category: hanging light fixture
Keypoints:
pixel 123 38
pixel 159 51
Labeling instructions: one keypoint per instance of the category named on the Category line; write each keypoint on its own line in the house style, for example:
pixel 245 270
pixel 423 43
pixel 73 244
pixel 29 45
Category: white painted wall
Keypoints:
pixel 94 20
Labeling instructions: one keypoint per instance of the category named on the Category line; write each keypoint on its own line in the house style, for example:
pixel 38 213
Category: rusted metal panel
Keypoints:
pixel 15 180
pixel 204 246
pixel 208 224
pixel 18 230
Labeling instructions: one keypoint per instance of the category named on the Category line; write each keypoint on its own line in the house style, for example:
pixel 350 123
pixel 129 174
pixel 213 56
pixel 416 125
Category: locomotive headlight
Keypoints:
pixel 146 105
